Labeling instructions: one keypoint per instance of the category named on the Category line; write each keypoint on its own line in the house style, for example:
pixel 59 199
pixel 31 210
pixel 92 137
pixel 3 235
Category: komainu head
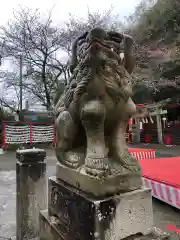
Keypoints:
pixel 96 47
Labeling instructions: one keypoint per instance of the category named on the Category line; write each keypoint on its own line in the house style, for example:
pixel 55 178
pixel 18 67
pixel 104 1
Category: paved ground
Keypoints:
pixel 161 150
pixel 164 214
pixel 8 160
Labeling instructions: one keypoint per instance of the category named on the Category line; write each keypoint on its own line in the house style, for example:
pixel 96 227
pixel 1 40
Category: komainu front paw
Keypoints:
pixel 129 162
pixel 98 167
pixel 70 158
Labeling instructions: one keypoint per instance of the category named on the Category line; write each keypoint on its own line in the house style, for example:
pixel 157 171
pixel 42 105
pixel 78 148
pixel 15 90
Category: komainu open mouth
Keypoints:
pixel 97 45
pixel 97 41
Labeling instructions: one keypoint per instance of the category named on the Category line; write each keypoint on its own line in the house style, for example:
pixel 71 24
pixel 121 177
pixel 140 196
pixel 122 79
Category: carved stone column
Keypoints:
pixel 31 191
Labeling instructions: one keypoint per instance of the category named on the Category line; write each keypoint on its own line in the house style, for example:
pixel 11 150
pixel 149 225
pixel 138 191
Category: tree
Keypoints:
pixel 38 41
pixel 7 99
pixel 155 28
pixel 41 42
pixel 76 26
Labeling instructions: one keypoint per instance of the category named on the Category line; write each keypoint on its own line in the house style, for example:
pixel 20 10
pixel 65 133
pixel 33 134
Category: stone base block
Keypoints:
pixel 119 182
pixel 50 230
pixel 83 216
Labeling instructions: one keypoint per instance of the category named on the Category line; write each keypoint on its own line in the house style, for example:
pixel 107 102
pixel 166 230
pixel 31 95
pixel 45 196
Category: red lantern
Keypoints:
pixel 147 138
pixel 167 140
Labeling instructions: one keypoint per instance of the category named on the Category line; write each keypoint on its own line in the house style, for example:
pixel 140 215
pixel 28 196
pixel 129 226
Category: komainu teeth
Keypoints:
pixel 112 49
pixel 121 55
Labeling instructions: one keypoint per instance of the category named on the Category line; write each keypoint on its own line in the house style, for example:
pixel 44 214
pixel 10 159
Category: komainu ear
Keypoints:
pixel 115 36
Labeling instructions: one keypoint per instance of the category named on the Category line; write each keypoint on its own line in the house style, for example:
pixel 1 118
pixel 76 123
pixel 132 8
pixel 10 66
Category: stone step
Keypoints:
pixel 50 231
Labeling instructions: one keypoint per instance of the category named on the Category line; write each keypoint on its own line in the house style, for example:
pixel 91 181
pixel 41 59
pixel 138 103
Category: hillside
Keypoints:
pixel 156 30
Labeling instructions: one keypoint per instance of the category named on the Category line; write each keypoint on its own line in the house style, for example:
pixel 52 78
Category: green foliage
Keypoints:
pixel 161 21
pixel 171 69
pixel 142 94
pixel 155 26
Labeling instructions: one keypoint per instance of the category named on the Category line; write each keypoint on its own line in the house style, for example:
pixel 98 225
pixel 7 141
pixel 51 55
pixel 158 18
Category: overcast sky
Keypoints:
pixel 62 8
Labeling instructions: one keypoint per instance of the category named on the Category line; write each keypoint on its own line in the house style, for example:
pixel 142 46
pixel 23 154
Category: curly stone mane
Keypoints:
pixel 106 62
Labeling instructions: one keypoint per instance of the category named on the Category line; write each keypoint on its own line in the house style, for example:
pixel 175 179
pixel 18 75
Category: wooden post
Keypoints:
pixel 4 135
pixel 31 192
pixel 138 130
pixel 159 127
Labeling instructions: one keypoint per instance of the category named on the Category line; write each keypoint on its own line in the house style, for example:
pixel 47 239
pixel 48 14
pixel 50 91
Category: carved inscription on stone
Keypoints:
pixel 60 202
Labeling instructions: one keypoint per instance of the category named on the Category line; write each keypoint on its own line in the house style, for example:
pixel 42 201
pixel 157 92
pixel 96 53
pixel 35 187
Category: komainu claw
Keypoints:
pixel 98 167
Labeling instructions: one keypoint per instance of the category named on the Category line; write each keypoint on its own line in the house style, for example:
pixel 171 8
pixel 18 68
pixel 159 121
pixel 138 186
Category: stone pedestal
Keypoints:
pixel 74 215
pixel 118 182
pixel 31 192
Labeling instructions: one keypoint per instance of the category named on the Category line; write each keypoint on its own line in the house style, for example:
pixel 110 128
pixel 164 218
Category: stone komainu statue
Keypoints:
pixel 93 111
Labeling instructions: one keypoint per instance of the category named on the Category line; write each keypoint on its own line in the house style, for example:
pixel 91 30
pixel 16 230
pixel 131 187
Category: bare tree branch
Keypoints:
pixel 40 42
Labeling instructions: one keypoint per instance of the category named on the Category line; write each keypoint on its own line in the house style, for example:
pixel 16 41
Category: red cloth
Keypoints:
pixel 140 105
pixel 165 170
pixel 167 140
pixel 147 138
pixel 130 121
